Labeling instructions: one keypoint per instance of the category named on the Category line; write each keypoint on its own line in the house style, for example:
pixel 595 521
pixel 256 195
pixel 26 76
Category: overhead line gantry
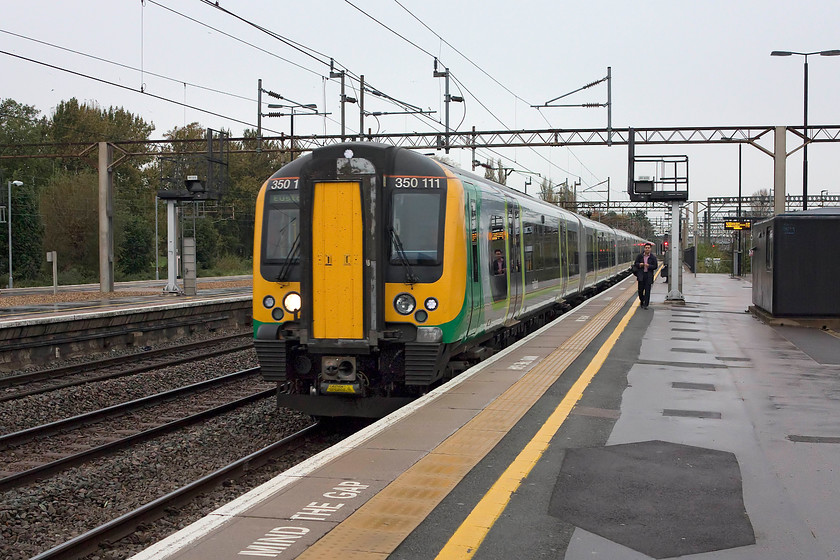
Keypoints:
pixel 472 140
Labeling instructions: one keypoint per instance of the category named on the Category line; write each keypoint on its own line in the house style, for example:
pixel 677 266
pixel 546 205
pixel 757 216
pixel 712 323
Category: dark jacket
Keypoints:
pixel 639 267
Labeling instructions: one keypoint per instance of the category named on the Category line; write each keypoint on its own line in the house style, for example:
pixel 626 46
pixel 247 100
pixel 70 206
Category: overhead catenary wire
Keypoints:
pixel 315 55
pixel 141 70
pixel 368 88
pixel 235 38
pixel 122 86
pixel 465 57
pixel 300 47
pixel 461 84
pixel 327 61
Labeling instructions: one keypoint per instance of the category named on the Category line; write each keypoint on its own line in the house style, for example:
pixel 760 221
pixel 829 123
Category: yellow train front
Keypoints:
pixel 357 281
pixel 379 272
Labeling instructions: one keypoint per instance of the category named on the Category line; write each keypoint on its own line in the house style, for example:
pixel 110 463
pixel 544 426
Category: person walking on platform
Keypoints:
pixel 644 268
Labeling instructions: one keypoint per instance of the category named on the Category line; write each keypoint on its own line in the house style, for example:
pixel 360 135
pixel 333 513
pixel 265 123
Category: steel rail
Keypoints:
pixel 131 371
pixel 31 475
pixel 84 544
pixel 22 436
pixel 12 380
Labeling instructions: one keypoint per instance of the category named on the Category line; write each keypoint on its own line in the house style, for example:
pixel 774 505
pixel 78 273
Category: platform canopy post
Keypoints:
pixel 674 268
pixel 106 217
pixel 779 169
pixel 171 243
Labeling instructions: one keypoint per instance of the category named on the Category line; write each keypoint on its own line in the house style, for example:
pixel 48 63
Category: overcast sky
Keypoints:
pixel 674 63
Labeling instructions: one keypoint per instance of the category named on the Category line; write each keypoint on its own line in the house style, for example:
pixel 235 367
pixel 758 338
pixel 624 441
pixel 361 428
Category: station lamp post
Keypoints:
pixel 834 52
pixel 311 109
pixel 9 220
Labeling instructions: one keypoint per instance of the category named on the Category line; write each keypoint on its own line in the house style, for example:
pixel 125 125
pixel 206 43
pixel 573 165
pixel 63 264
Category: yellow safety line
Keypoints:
pixel 376 528
pixel 465 541
pixel 835 334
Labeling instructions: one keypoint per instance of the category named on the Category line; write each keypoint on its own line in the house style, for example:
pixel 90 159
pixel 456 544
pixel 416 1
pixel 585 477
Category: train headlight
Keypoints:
pixel 268 302
pixel 277 314
pixel 404 304
pixel 431 303
pixel 292 302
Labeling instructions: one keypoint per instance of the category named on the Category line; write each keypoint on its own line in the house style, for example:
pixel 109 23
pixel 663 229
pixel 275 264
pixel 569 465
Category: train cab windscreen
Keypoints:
pixel 282 228
pixel 417 228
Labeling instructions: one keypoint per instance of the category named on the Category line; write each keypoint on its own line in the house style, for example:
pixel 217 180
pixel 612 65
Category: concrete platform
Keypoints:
pixel 616 432
pixel 36 326
pixel 40 304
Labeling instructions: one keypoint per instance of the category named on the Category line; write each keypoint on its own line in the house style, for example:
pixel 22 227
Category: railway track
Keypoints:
pixel 34 383
pixel 85 437
pixel 124 525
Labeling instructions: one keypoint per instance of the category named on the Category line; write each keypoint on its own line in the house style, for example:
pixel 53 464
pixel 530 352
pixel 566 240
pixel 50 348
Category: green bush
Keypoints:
pixel 76 275
pixel 228 265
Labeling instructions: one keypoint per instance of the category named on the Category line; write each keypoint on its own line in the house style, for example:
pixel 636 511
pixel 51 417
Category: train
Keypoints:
pixel 380 272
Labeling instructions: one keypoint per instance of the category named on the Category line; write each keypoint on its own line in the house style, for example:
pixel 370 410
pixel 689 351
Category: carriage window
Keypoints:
pixel 415 218
pixel 498 253
pixel 282 229
pixel 573 252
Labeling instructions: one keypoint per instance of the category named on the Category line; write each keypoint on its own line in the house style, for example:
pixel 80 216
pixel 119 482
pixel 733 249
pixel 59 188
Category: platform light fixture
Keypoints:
pixel 310 109
pixel 9 220
pixel 833 52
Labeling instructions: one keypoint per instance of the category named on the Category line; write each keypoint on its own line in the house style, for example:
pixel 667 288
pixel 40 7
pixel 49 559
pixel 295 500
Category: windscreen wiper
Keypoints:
pixel 410 278
pixel 287 264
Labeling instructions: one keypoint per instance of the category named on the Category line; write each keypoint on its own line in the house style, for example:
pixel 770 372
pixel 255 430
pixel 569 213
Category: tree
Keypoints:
pixel 547 192
pixel 69 209
pixel 640 225
pixel 207 241
pixel 561 194
pixel 763 205
pixel 27 248
pixel 248 172
pixel 636 223
pixel 497 173
pixel 21 125
pixel 136 248
pixel 74 122
pixel 74 182
pixel 566 196
pixel 445 159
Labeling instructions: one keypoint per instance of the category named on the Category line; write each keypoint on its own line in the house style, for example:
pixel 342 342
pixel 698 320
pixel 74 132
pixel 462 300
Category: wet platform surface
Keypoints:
pixel 691 431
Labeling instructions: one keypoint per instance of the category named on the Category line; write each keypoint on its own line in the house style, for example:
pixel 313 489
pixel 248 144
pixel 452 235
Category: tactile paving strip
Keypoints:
pixel 378 527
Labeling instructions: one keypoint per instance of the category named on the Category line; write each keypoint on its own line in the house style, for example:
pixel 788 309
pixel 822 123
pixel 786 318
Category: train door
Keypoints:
pixel 562 248
pixel 337 274
pixel 591 252
pixel 515 251
pixel 476 316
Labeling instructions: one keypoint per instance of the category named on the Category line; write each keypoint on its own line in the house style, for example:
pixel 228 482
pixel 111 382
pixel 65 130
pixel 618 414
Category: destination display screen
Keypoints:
pixel 737 225
pixel 283 197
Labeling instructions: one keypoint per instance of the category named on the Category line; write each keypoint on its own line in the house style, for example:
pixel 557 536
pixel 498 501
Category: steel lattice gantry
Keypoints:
pixel 758 136
pixel 753 135
pixel 579 137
